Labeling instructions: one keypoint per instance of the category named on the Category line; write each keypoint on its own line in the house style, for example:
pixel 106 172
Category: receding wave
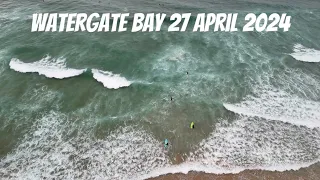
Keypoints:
pixel 49 67
pixel 200 167
pixel 279 106
pixel 305 54
pixel 110 80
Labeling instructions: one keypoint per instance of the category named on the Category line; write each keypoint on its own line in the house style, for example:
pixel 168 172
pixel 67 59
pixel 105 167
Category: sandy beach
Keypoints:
pixel 310 173
pixel 94 89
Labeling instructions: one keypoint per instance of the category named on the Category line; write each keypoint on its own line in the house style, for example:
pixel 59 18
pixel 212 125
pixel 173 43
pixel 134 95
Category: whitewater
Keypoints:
pixel 79 105
pixel 304 54
pixel 56 68
pixel 131 153
pixel 51 68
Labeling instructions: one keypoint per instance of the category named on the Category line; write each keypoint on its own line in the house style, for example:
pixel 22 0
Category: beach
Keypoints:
pixel 309 173
pixel 101 105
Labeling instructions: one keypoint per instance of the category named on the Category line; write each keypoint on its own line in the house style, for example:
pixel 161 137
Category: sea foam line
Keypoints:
pixel 187 167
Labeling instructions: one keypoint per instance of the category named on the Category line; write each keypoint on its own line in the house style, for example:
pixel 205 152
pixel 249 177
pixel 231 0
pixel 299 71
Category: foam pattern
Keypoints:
pixel 253 143
pixel 279 105
pixel 46 152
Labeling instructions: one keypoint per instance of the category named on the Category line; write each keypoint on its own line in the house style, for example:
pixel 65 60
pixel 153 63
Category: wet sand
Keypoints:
pixel 309 173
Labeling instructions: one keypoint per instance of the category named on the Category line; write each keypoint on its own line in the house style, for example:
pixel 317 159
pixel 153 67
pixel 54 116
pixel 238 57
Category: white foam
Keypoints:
pixel 280 106
pixel 110 80
pixel 41 95
pixel 187 167
pixel 131 153
pixel 251 144
pixel 49 67
pixel 302 53
pixel 176 54
pixel 46 152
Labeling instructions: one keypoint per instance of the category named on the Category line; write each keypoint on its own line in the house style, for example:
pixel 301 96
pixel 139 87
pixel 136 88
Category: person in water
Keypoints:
pixel 192 125
pixel 166 143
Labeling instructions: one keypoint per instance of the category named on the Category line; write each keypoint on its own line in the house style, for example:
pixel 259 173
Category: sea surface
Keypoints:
pixel 98 105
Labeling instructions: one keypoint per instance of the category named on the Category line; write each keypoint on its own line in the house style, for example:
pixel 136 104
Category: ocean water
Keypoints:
pixel 97 105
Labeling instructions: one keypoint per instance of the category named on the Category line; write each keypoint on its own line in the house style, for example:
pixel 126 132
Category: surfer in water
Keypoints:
pixel 166 143
pixel 192 125
pixel 171 98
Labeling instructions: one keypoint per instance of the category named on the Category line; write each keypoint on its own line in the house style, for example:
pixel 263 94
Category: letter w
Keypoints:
pixel 39 22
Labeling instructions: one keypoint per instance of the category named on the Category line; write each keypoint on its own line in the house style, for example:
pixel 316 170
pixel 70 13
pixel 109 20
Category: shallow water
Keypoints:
pixel 97 105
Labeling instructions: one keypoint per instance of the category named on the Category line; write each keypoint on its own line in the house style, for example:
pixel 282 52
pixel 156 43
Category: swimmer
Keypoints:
pixel 166 143
pixel 192 125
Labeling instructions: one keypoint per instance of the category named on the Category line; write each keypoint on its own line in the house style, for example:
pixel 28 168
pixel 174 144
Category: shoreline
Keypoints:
pixel 305 173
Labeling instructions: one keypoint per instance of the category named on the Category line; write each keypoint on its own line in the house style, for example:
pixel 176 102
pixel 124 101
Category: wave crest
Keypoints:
pixel 110 80
pixel 302 53
pixel 47 66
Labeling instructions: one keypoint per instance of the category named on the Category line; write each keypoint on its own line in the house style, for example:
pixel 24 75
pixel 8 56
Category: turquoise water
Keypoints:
pixel 254 97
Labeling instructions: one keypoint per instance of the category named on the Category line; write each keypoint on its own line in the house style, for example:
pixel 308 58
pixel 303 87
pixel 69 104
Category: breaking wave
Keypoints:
pixel 49 67
pixel 302 53
pixel 278 105
pixel 110 80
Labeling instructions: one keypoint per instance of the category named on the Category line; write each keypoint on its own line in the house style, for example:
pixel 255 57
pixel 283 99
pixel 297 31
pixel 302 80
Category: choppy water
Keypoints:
pixel 97 105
